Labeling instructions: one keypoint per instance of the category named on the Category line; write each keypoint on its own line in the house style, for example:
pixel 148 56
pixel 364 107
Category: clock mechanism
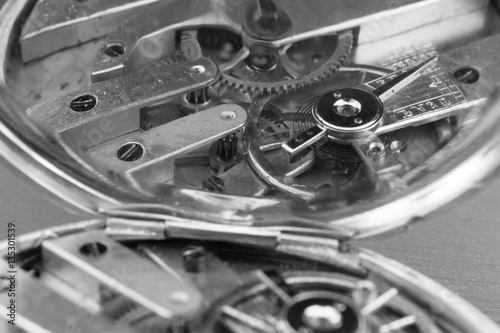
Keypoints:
pixel 233 151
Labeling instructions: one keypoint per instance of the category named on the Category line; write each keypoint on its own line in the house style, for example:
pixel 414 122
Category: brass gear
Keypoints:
pixel 247 80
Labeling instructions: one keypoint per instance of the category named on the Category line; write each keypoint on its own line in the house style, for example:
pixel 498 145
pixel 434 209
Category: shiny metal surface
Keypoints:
pixel 305 216
pixel 64 313
pixel 413 290
pixel 441 248
pixel 73 23
pixel 175 133
pixel 266 204
pixel 89 263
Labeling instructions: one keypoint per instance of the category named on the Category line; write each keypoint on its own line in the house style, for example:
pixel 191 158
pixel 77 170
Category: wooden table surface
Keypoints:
pixel 459 247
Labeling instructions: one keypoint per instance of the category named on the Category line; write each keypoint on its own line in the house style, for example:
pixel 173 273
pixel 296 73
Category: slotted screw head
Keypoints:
pixel 114 50
pixel 130 152
pixel 467 75
pixel 214 184
pixel 198 69
pixel 194 259
pixel 228 115
pixel 93 249
pixel 83 103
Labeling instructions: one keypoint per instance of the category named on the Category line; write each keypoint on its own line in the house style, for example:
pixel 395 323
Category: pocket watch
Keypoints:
pixel 233 152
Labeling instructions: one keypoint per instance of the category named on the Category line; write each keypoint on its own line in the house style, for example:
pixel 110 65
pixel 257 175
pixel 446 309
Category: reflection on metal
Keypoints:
pixel 72 23
pixel 126 285
pixel 233 152
pixel 116 278
pixel 387 174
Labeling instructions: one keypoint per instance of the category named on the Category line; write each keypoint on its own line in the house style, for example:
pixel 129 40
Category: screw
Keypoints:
pixel 194 259
pixel 358 121
pixel 130 152
pixel 376 147
pixel 198 69
pixel 83 103
pixel 337 94
pixel 214 184
pixel 93 249
pixel 467 75
pixel 228 115
pixel 114 50
pixel 376 151
pixel 347 107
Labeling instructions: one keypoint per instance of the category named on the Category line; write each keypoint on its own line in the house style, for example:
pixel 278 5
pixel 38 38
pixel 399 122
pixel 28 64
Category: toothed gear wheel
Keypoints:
pixel 286 77
pixel 273 126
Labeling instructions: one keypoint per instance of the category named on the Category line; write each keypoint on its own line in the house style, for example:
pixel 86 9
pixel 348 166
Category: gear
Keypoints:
pixel 291 71
pixel 294 66
pixel 273 126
